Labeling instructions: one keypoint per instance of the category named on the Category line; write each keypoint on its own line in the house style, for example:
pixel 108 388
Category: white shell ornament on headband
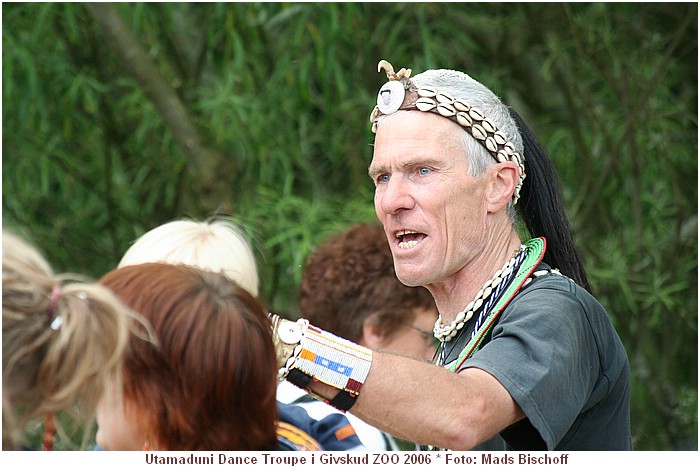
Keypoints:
pixel 390 97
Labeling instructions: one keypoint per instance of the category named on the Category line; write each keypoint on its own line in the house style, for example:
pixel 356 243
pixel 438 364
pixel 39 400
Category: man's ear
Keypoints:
pixel 504 179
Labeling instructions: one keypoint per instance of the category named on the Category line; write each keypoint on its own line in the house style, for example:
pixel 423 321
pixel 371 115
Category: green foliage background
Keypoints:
pixel 279 96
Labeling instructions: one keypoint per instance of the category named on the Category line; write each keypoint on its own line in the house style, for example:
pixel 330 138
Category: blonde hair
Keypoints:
pixel 217 245
pixel 63 338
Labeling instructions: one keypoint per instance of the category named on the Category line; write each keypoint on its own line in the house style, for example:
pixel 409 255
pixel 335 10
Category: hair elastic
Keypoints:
pixel 55 294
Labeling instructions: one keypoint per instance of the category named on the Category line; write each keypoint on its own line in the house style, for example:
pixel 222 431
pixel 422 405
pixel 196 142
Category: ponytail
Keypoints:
pixel 90 330
pixel 64 338
pixel 542 209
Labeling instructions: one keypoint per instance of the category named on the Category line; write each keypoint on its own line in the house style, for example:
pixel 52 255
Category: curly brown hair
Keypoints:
pixel 351 277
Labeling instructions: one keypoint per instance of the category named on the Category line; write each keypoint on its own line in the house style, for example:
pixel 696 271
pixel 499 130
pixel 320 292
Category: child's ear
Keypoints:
pixel 371 335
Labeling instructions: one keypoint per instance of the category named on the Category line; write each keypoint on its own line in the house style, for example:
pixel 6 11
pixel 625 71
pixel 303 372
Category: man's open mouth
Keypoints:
pixel 409 239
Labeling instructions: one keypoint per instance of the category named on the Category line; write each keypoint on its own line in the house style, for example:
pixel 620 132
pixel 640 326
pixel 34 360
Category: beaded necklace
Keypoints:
pixel 534 254
pixel 494 285
pixel 524 261
pixel 527 257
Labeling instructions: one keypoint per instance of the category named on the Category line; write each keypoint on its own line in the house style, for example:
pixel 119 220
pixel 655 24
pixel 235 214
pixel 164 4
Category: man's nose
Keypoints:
pixel 396 196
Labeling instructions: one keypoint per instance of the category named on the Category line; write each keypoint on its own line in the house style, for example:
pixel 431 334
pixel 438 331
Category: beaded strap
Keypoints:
pixel 496 292
pixel 484 297
pixel 535 252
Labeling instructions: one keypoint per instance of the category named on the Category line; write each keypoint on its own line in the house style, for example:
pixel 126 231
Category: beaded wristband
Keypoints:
pixel 327 358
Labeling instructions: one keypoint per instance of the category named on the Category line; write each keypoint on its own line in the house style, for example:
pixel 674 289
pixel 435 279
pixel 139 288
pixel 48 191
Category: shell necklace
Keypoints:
pixel 446 333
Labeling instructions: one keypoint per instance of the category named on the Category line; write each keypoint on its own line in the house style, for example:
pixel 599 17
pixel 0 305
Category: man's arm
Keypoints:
pixel 430 405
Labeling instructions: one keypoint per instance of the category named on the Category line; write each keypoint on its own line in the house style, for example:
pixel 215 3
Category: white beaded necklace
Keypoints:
pixel 446 333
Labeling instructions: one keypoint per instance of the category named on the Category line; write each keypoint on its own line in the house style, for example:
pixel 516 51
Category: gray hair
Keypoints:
pixel 461 86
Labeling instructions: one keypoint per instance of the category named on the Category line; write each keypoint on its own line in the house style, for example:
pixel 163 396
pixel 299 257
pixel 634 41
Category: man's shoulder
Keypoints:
pixel 550 289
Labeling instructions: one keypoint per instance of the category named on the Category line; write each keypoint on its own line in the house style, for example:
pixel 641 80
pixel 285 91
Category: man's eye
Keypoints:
pixel 382 179
pixel 424 170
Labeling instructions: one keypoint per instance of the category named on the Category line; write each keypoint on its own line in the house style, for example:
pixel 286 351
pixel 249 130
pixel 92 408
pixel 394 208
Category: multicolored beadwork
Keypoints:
pixel 322 356
pixel 333 360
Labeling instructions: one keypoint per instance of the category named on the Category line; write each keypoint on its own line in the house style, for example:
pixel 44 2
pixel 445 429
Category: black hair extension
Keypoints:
pixel 542 208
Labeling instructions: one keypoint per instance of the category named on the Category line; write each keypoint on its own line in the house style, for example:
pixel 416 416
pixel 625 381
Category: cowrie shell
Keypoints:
pixel 491 145
pixel 476 114
pixel 461 105
pixel 463 119
pixel 446 110
pixel 425 104
pixel 427 91
pixel 478 132
pixel 442 96
pixel 488 126
pixel 500 137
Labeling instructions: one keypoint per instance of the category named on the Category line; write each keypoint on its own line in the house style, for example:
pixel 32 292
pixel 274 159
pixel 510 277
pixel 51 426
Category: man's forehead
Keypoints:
pixel 412 136
pixel 416 124
pixel 419 131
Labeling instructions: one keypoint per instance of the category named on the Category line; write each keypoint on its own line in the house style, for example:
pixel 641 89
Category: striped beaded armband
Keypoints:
pixel 332 360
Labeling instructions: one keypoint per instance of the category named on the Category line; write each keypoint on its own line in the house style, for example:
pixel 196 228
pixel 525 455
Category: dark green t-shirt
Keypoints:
pixel 557 353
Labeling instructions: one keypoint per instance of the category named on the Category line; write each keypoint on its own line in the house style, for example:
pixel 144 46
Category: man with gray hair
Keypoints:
pixel 528 358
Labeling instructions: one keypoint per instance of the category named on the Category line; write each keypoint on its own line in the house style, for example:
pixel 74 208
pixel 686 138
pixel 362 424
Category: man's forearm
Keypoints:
pixel 410 399
pixel 430 405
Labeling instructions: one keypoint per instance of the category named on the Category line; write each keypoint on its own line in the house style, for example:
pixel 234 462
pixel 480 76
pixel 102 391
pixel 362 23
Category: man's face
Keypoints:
pixel 432 209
